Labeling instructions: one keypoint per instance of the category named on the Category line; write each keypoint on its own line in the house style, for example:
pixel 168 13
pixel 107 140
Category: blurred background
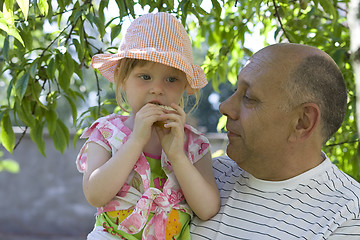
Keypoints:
pixel 49 94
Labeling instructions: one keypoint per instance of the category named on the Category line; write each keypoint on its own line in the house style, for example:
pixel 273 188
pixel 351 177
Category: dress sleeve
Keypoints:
pixel 196 145
pixel 93 134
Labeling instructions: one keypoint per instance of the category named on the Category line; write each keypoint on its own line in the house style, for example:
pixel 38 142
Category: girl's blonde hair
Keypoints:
pixel 121 74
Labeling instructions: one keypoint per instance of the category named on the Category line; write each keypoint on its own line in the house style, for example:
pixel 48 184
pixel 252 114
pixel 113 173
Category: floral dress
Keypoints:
pixel 143 207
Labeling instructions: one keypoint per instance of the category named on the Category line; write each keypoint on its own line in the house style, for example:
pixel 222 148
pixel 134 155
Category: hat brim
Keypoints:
pixel 106 64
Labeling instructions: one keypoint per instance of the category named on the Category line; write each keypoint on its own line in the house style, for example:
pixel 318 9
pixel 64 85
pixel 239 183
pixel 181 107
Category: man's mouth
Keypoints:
pixel 230 133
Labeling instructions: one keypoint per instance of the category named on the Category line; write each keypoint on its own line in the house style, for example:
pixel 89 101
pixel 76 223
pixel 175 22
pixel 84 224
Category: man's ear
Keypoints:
pixel 308 119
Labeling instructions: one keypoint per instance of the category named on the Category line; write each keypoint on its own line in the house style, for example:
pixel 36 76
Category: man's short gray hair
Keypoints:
pixel 318 79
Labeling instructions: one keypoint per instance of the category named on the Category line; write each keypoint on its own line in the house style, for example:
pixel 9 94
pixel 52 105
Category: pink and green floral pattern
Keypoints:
pixel 111 133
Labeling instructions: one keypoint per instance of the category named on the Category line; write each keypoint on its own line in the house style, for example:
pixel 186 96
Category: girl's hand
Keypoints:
pixel 172 134
pixel 144 120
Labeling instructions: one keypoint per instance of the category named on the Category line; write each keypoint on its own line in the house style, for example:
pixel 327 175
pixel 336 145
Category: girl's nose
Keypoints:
pixel 157 88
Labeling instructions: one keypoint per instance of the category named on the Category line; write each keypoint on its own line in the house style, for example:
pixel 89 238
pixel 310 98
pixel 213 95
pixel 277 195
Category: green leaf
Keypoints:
pixel 221 124
pixel 103 4
pixel 9 165
pixel 78 94
pixel 122 8
pixel 10 29
pixel 130 6
pixel 66 66
pixel 184 5
pixel 36 134
pixel 28 38
pixel 33 69
pixel 170 3
pixel 216 7
pixel 65 130
pixel 78 70
pixel 77 136
pixel 24 112
pixel 69 64
pixel 43 7
pixel 13 31
pixel 7 22
pixel 198 9
pixel 73 109
pixel 3 23
pixel 7 135
pixel 143 3
pixel 50 70
pixel 76 16
pixel 115 31
pixel 94 112
pixel 51 119
pixel 328 7
pixel 2 113
pixel 61 136
pixel 24 6
pixel 21 85
pixel 8 11
pixel 100 26
pixel 5 50
pixel 64 79
pixel 36 91
pixel 79 49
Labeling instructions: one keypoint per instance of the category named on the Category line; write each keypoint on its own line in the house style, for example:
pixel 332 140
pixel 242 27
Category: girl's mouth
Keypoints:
pixel 156 103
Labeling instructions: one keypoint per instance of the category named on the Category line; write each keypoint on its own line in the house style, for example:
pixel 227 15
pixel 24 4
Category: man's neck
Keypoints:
pixel 286 165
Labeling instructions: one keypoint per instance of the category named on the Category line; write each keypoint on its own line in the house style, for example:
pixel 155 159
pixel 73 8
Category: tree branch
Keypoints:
pixel 21 137
pixel 55 14
pixel 53 41
pixel 277 15
pixel 98 92
pixel 74 25
pixel 341 143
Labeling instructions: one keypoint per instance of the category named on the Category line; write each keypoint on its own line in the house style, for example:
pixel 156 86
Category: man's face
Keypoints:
pixel 258 124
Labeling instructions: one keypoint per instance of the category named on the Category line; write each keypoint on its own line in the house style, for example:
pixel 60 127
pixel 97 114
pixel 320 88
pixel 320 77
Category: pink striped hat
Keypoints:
pixel 160 38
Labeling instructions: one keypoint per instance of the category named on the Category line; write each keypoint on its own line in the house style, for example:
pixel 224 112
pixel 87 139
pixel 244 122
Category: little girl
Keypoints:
pixel 146 173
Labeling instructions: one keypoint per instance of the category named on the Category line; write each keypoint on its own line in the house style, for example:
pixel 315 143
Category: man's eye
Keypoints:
pixel 145 77
pixel 248 99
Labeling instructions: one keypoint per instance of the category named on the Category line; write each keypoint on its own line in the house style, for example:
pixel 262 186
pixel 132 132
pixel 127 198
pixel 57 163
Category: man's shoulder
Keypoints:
pixel 343 179
pixel 224 163
pixel 225 168
pixel 345 186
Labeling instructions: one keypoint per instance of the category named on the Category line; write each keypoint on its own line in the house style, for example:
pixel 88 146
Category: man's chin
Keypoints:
pixel 236 155
pixel 231 153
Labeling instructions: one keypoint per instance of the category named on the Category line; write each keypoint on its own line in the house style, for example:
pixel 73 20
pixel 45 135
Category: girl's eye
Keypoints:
pixel 145 77
pixel 171 79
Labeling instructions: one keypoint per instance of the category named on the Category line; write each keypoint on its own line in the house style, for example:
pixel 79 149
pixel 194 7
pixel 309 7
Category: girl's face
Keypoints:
pixel 154 83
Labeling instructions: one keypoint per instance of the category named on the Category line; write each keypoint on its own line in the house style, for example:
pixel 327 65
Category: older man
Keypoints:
pixel 289 100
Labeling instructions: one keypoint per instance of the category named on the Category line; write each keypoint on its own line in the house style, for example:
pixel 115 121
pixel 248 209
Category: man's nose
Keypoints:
pixel 222 108
pixel 229 108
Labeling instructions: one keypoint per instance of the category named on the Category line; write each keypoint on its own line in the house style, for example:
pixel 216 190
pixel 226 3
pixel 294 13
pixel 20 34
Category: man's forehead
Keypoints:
pixel 262 73
pixel 252 69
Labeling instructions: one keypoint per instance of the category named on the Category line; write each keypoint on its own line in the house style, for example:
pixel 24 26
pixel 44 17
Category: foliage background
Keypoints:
pixel 45 78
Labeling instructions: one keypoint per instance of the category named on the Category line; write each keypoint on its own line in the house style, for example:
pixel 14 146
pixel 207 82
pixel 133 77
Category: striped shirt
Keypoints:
pixel 322 203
